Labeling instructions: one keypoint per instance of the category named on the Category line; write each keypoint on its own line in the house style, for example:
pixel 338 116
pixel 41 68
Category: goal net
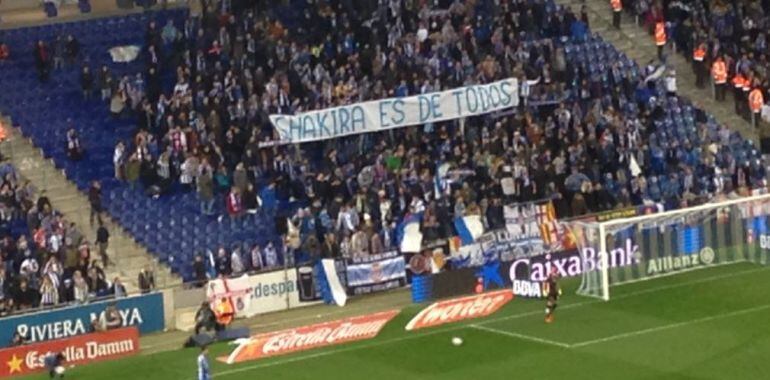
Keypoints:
pixel 649 246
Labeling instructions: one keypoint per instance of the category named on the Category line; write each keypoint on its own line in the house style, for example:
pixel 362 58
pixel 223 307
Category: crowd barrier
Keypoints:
pixel 146 312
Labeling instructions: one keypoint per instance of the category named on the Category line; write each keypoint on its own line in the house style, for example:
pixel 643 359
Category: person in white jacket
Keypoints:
pixel 671 83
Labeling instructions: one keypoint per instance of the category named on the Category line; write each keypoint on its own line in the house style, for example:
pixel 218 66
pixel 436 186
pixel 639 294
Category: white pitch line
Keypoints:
pixel 678 272
pixel 521 336
pixel 631 294
pixel 462 326
pixel 687 283
pixel 671 326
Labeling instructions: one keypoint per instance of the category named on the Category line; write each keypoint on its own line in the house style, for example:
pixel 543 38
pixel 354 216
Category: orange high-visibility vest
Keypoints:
pixel 699 54
pixel 617 6
pixel 3 135
pixel 224 312
pixel 719 71
pixel 739 81
pixel 756 100
pixel 746 84
pixel 660 34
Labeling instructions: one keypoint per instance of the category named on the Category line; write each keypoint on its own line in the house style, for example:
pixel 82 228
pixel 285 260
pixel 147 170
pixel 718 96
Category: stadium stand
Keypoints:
pixel 46 261
pixel 597 131
pixel 735 31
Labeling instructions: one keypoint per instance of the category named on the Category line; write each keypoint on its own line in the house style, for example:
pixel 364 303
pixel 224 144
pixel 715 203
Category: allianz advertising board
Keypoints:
pixel 145 312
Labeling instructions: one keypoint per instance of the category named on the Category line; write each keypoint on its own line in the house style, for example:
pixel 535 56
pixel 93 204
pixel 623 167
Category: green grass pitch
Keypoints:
pixel 707 324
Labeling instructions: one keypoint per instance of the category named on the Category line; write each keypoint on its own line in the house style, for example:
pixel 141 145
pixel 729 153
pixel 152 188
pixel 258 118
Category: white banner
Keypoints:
pixel 378 115
pixel 258 294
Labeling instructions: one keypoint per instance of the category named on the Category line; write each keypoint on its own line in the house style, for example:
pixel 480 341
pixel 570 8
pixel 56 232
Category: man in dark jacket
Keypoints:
pixel 86 82
pixel 42 60
pixel 495 216
pixel 71 49
pixel 199 271
pixel 102 242
pixel 146 280
pixel 95 199
pixel 205 319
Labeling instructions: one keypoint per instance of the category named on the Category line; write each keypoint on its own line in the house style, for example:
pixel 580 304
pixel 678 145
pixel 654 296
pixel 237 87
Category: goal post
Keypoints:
pixel 649 246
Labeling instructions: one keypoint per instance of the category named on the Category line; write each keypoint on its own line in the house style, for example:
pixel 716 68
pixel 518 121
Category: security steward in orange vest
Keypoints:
pixel 756 101
pixel 224 312
pixel 738 82
pixel 617 9
pixel 719 75
pixel 660 37
pixel 699 65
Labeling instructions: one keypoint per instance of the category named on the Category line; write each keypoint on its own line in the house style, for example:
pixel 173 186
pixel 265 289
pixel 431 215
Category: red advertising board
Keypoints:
pixel 80 349
pixel 458 309
pixel 310 337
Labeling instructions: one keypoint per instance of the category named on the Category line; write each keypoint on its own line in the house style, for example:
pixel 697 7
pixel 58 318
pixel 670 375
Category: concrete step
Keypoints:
pixel 65 197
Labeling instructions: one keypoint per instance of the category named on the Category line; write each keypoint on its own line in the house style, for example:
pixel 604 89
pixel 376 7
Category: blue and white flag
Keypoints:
pixel 440 182
pixel 469 228
pixel 211 269
pixel 376 273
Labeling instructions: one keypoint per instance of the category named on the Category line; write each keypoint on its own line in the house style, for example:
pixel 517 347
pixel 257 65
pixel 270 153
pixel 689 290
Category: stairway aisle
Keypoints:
pixel 638 45
pixel 129 257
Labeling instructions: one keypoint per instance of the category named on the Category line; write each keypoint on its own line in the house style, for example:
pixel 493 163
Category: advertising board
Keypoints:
pixel 260 293
pixel 310 337
pixel 458 309
pixel 80 349
pixel 144 311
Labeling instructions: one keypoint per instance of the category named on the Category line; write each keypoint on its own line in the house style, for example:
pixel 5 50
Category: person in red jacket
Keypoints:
pixel 5 52
pixel 234 203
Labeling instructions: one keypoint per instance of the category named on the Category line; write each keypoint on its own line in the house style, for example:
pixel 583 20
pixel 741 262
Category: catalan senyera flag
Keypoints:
pixel 549 226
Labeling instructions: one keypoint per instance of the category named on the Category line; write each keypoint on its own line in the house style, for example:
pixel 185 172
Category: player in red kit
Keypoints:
pixel 553 294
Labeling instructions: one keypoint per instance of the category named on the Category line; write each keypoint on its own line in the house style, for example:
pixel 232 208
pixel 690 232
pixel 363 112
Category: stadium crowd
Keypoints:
pixel 46 261
pixel 726 40
pixel 202 108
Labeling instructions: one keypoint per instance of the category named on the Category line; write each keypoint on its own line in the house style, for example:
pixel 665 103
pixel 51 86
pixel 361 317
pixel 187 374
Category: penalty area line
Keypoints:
pixel 520 336
pixel 671 326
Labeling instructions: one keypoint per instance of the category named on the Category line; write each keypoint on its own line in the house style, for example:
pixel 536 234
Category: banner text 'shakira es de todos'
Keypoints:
pixel 383 114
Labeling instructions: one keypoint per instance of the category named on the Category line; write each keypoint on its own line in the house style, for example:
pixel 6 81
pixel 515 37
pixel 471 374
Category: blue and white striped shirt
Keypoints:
pixel 203 368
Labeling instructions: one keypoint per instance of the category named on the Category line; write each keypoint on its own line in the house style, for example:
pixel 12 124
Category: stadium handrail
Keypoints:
pixel 74 304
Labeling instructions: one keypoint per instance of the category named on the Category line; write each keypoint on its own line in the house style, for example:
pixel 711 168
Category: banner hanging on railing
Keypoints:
pixel 533 228
pixel 260 293
pixel 376 273
pixel 379 115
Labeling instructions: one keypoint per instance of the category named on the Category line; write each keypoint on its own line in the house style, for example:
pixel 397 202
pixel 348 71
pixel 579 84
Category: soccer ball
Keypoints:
pixel 457 341
pixel 59 370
